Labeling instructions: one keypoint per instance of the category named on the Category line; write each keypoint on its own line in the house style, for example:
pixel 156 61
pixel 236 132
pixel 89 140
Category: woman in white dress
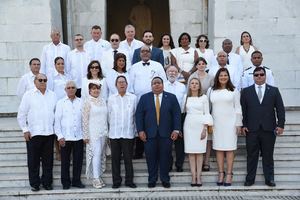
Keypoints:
pixel 195 128
pixel 207 81
pixel 184 57
pixel 118 69
pixel 202 48
pixel 227 115
pixel 94 75
pixel 166 44
pixel 246 49
pixel 95 131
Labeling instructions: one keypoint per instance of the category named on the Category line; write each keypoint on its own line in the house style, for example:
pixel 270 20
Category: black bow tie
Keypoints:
pixel 146 63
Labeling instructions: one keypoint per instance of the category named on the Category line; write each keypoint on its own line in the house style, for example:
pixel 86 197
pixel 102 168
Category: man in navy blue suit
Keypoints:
pixel 156 53
pixel 158 123
pixel 261 105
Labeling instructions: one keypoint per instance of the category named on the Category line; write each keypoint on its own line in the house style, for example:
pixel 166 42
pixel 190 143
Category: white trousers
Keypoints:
pixel 98 148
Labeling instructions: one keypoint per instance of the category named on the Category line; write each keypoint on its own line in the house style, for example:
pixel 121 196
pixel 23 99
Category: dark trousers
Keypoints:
pixel 40 148
pixel 256 141
pixel 179 152
pixel 139 147
pixel 158 153
pixel 119 147
pixel 76 148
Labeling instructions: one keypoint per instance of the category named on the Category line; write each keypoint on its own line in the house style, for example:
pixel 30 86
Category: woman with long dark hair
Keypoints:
pixel 227 115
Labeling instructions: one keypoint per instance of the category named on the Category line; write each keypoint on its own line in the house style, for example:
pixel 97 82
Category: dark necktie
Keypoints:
pixel 146 63
pixel 115 52
pixel 228 60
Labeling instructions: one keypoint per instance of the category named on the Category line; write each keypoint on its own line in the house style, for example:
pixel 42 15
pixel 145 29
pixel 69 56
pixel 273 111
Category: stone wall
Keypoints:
pixel 25 28
pixel 83 15
pixel 275 30
pixel 188 16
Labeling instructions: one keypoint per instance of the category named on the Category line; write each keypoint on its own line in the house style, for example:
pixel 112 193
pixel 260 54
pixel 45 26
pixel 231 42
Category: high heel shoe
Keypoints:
pixel 228 184
pixel 222 182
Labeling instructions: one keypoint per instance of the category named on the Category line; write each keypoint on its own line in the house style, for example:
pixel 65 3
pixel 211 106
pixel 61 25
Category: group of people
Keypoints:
pixel 113 96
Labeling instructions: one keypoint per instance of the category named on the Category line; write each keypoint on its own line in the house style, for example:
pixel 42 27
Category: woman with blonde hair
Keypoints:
pixel 195 128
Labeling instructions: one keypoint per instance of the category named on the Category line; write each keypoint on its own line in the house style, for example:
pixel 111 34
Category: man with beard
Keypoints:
pixel 156 53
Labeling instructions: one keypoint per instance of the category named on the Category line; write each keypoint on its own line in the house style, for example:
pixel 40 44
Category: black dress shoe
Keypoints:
pixel 151 185
pixel 79 185
pixel 131 185
pixel 116 186
pixel 166 184
pixel 66 187
pixel 248 183
pixel 35 188
pixel 194 184
pixel 48 187
pixel 179 169
pixel 270 183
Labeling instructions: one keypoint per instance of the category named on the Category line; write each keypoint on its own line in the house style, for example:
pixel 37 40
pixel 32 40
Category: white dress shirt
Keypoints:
pixel 77 64
pixel 263 89
pixel 247 78
pixel 121 119
pixel 108 62
pixel 142 75
pixel 178 89
pixel 209 56
pixel 68 119
pixel 36 112
pixel 26 83
pixel 235 60
pixel 135 44
pixel 58 85
pixel 159 99
pixel 111 81
pixel 233 72
pixel 50 52
pixel 96 49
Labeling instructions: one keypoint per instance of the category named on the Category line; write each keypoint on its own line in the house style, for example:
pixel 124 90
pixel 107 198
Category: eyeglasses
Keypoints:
pixel 145 51
pixel 261 74
pixel 79 39
pixel 95 67
pixel 114 40
pixel 71 87
pixel 42 80
pixel 202 40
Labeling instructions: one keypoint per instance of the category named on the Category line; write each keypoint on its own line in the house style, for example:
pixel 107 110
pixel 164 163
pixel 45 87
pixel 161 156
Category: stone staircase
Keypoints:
pixel 14 173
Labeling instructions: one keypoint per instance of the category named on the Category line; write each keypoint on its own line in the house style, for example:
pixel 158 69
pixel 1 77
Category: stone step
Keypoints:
pixel 181 191
pixel 21 180
pixel 14 167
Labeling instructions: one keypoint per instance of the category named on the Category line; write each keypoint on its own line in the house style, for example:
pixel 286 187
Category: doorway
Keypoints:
pixel 146 13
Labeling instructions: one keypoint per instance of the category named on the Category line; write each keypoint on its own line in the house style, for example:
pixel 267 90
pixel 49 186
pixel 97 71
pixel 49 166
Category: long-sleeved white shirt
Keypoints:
pixel 26 83
pixel 111 81
pixel 68 124
pixel 36 112
pixel 58 84
pixel 121 112
pixel 142 75
pixel 108 62
pixel 135 44
pixel 178 89
pixel 49 53
pixel 96 49
pixel 76 65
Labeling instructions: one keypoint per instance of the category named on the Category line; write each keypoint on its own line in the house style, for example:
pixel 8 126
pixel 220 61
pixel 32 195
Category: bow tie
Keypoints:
pixel 146 63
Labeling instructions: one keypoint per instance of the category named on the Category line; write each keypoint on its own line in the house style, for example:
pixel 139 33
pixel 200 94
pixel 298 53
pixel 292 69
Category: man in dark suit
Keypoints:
pixel 156 53
pixel 261 105
pixel 158 124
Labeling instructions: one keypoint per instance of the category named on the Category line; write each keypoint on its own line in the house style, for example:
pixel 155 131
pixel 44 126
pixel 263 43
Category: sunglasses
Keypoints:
pixel 80 39
pixel 71 87
pixel 42 80
pixel 114 40
pixel 261 74
pixel 202 40
pixel 95 67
